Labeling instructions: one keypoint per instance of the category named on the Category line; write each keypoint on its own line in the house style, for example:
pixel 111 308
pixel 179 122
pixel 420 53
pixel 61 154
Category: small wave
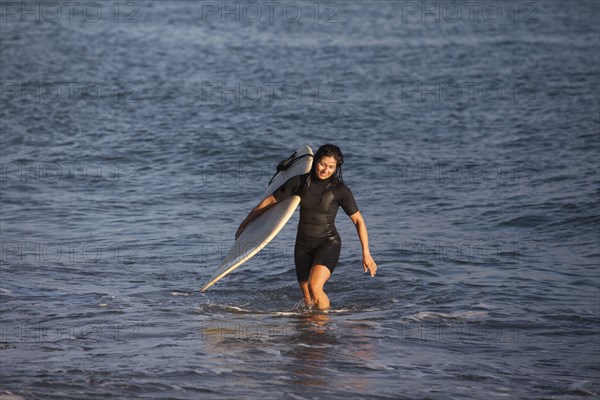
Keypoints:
pixel 6 395
pixel 181 294
pixel 289 313
pixel 212 308
pixel 311 311
pixel 423 315
pixel 379 367
pixel 296 310
pixel 236 309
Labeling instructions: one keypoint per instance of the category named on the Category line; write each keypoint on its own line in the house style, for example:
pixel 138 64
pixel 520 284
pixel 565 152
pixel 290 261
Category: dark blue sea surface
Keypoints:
pixel 135 136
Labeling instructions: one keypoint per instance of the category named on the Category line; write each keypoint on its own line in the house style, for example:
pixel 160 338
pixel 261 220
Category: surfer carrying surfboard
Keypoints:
pixel 318 243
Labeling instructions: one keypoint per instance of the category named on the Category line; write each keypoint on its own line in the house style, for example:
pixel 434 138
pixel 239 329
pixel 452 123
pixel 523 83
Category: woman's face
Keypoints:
pixel 325 167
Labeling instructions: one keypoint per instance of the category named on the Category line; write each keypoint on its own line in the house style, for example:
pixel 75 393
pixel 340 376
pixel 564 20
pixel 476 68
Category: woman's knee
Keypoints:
pixel 319 274
pixel 315 287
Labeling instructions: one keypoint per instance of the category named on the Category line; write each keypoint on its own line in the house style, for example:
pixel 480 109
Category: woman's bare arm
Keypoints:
pixel 361 229
pixel 263 206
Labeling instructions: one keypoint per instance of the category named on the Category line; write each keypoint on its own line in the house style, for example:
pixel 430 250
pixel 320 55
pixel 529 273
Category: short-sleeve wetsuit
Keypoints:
pixel 317 240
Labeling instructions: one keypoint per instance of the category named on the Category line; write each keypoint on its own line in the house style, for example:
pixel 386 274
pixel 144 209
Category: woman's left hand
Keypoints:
pixel 369 264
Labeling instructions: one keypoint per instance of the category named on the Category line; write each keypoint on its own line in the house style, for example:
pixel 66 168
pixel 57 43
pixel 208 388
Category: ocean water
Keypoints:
pixel 135 136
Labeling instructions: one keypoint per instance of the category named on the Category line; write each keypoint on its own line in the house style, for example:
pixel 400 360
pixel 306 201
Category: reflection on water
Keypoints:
pixel 308 347
pixel 326 345
pixel 316 328
pixel 314 349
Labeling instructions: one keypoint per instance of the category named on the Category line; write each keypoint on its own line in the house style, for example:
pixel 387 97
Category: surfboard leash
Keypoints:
pixel 285 164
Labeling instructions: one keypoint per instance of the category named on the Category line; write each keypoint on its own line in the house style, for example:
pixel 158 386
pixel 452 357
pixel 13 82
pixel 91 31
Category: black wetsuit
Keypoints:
pixel 317 240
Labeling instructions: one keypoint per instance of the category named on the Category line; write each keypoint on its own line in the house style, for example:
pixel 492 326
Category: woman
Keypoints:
pixel 318 244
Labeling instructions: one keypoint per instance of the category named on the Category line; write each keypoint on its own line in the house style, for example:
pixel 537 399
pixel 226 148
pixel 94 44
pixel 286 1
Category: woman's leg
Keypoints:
pixel 319 274
pixel 303 260
pixel 306 293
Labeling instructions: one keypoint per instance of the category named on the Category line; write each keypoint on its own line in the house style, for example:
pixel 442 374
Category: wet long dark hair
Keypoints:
pixel 327 150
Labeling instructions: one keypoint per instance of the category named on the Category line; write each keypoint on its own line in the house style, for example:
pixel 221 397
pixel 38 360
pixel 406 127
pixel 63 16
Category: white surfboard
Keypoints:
pixel 260 231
